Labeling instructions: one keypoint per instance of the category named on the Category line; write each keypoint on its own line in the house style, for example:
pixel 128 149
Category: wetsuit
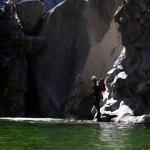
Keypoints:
pixel 97 97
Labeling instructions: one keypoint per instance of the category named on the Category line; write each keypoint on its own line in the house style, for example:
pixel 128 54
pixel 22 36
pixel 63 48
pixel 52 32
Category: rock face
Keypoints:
pixel 55 78
pixel 30 13
pixel 71 31
pixel 48 3
pixel 12 64
pixel 128 82
pixel 14 48
pixel 47 59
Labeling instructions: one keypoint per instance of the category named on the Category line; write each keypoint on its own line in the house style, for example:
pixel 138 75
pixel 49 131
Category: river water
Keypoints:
pixel 72 136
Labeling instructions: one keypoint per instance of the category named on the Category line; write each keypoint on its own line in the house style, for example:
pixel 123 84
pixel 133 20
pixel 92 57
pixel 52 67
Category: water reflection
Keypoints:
pixel 122 138
pixel 72 136
pixel 112 137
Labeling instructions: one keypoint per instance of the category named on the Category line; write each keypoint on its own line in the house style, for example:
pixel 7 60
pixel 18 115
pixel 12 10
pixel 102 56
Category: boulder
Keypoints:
pixel 30 13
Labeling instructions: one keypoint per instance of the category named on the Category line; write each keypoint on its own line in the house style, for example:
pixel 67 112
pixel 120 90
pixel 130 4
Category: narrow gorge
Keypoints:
pixel 50 49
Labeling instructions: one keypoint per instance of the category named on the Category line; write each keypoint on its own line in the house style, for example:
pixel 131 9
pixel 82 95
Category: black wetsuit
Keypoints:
pixel 97 97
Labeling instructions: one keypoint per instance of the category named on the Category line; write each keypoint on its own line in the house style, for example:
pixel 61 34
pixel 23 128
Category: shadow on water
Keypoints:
pixel 72 136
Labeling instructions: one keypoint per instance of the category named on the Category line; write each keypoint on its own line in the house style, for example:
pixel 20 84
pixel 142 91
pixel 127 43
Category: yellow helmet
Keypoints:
pixel 93 78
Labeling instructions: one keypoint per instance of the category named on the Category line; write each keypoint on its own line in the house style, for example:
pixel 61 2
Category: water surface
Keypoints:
pixel 72 136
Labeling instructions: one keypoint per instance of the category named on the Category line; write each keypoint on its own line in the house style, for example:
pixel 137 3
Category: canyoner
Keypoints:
pixel 98 87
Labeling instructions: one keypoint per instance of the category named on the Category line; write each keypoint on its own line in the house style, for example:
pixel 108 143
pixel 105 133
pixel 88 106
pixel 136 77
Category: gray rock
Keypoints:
pixel 30 13
pixel 147 111
pixel 144 119
pixel 134 88
pixel 14 49
pixel 58 76
pixel 112 105
pixel 59 82
pixel 48 3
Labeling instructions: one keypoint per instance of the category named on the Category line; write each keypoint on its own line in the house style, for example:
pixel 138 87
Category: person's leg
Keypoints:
pixel 97 108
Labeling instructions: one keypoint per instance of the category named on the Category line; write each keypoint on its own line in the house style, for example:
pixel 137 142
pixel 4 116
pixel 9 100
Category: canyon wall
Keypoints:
pixel 65 46
pixel 128 82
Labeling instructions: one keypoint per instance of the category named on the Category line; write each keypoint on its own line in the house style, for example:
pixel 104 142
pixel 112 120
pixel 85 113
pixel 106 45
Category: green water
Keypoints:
pixel 72 136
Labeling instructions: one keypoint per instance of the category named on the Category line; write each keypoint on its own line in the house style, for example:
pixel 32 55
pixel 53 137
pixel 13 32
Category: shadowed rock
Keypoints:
pixel 30 13
pixel 14 48
pixel 70 30
pixel 75 35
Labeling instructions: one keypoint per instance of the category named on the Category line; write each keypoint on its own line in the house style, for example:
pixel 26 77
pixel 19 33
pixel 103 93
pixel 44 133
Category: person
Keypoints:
pixel 97 95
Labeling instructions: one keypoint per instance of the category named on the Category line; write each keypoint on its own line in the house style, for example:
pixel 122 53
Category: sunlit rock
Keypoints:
pixel 129 78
